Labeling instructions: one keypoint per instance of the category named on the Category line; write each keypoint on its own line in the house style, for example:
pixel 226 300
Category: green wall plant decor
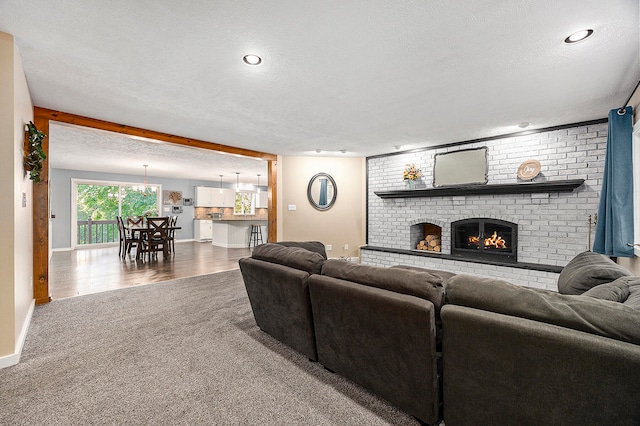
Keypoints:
pixel 34 155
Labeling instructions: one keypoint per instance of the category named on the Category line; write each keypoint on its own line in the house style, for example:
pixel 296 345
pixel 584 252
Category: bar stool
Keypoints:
pixel 255 235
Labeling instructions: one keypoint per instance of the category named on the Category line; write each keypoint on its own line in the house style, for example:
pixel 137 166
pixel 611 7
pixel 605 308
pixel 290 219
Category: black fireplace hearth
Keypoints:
pixel 485 238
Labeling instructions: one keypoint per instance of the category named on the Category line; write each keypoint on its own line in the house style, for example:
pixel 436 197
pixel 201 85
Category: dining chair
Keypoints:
pixel 135 220
pixel 127 238
pixel 172 233
pixel 156 237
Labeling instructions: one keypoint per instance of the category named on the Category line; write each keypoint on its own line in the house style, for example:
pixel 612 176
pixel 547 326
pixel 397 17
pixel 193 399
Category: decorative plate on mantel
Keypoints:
pixel 529 169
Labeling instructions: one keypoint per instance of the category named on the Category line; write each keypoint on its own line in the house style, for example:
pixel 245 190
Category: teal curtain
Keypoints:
pixel 614 228
pixel 323 192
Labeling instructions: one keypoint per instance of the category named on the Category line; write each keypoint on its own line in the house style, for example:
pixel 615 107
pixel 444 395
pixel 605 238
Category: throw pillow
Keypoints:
pixel 587 270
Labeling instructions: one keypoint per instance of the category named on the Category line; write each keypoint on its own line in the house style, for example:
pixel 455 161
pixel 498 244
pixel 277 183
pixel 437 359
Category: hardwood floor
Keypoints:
pixel 78 272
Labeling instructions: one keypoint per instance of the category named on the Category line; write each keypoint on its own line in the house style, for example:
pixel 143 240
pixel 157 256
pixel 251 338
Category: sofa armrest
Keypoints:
pixel 279 297
pixel 500 369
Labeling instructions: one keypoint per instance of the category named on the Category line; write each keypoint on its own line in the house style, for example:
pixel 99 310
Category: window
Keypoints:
pixel 245 203
pixel 95 205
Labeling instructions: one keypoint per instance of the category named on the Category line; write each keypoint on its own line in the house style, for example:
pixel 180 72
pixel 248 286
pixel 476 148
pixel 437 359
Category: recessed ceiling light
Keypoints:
pixel 252 59
pixel 578 36
pixel 524 124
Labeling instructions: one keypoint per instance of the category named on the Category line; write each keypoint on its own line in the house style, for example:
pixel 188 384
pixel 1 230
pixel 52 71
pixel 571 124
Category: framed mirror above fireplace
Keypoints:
pixel 463 167
pixel 485 238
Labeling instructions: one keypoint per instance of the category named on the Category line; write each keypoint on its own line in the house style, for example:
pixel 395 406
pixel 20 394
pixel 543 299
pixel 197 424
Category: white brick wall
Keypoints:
pixel 552 228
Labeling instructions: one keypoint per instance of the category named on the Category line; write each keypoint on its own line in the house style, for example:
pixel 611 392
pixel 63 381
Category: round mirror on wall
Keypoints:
pixel 322 191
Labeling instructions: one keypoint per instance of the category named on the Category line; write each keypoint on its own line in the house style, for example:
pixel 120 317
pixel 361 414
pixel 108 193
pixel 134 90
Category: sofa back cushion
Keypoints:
pixel 293 257
pixel 420 284
pixel 600 317
pixel 587 270
pixel 314 246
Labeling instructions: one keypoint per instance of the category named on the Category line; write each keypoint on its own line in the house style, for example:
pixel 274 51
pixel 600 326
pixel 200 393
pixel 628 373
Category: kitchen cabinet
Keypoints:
pixel 224 198
pixel 262 200
pixel 203 230
pixel 204 196
pixel 212 197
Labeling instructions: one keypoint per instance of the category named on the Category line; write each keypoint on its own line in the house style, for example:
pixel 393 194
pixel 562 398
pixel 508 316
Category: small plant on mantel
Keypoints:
pixel 34 155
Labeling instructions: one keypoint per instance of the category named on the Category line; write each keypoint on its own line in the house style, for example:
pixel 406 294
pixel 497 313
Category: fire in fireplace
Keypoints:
pixel 485 238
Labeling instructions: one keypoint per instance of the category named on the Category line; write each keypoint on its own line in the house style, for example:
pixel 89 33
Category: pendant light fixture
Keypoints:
pixel 143 187
pixel 220 184
pixel 237 181
pixel 258 190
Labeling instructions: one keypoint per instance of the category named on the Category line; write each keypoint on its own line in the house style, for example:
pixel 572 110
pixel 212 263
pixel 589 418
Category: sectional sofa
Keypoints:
pixel 466 349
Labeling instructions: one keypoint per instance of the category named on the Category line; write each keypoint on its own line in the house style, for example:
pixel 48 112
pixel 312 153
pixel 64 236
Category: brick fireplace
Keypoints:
pixel 552 227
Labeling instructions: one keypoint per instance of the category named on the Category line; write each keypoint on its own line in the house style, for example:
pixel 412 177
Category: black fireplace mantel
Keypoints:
pixel 500 189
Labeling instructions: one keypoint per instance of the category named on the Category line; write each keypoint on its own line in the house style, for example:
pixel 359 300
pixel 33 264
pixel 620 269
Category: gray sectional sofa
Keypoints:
pixel 503 354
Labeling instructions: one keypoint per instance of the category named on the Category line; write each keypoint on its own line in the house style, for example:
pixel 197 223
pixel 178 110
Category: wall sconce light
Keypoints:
pixel 237 181
pixel 220 184
pixel 258 191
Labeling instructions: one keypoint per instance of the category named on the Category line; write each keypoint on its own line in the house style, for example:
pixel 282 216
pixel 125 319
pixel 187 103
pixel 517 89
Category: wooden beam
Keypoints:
pixel 42 117
pixel 41 222
pixel 79 120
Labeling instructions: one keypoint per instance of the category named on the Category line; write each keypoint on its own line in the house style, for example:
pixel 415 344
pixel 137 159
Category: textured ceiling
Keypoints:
pixel 81 148
pixel 361 76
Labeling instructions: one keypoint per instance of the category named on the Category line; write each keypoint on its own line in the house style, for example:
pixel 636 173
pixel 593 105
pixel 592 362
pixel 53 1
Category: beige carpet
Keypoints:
pixel 181 352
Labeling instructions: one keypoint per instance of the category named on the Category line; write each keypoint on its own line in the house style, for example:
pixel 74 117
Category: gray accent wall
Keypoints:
pixel 60 182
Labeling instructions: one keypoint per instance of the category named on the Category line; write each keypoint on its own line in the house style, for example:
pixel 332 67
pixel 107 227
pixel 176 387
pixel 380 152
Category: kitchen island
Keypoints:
pixel 234 233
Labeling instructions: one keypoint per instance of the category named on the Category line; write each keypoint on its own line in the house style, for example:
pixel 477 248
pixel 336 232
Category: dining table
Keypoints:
pixel 143 231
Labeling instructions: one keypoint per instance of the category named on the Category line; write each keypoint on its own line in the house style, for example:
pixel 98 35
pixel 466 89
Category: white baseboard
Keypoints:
pixel 13 359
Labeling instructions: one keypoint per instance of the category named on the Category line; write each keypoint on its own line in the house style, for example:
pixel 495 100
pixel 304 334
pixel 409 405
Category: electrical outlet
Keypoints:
pixel 329 247
pixel 346 246
pixel 291 207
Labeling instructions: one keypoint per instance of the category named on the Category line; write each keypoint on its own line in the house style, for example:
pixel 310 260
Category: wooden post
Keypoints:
pixel 41 221
pixel 272 203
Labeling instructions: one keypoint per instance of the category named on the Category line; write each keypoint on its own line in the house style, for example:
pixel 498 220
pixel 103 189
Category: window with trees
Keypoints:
pixel 97 204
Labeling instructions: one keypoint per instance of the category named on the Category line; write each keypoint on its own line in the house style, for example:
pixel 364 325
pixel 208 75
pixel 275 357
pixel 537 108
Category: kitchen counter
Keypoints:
pixel 234 233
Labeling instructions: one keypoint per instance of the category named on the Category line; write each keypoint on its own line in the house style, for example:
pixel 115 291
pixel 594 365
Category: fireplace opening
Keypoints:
pixel 485 238
pixel 426 237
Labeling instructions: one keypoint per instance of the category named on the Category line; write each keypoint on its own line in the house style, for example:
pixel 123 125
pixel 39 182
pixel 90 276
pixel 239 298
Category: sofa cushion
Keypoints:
pixel 445 275
pixel 616 291
pixel 599 317
pixel 414 283
pixel 314 246
pixel 587 270
pixel 633 301
pixel 294 257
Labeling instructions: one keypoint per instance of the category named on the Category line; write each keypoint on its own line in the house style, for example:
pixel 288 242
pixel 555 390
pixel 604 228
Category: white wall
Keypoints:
pixel 16 227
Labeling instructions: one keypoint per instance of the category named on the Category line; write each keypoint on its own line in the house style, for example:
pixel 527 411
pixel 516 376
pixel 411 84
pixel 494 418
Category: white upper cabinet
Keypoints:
pixel 204 196
pixel 262 200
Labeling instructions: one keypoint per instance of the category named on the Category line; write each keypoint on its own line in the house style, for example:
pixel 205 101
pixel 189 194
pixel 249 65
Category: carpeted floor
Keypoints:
pixel 181 352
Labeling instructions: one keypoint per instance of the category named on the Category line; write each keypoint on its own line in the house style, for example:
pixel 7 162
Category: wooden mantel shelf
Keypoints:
pixel 509 188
